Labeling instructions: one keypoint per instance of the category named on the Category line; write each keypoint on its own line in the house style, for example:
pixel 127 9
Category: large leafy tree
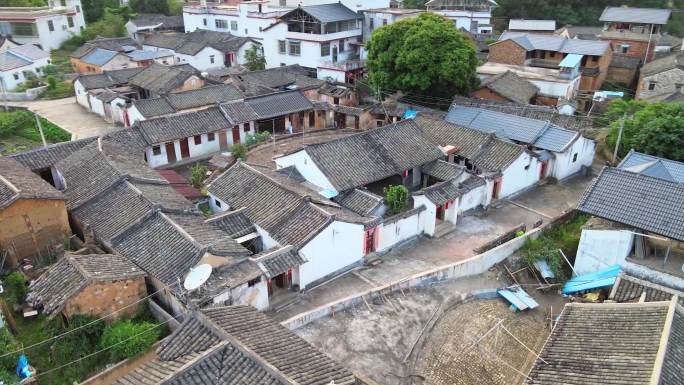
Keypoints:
pixel 254 59
pixel 656 129
pixel 424 55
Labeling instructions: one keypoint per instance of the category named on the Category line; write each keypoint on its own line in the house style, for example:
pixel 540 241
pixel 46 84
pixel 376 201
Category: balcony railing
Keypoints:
pixel 323 36
pixel 543 63
pixel 346 65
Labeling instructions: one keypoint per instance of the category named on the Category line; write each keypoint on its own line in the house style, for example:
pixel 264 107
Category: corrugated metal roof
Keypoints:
pixel 531 25
pixel 636 15
pixel 98 56
pixel 571 61
pixel 328 13
pixel 29 51
pixel 531 41
pixel 10 61
pixel 139 55
pixel 653 166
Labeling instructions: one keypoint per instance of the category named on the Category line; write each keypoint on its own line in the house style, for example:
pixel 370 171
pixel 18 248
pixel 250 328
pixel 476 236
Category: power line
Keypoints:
pixel 83 326
pixel 99 351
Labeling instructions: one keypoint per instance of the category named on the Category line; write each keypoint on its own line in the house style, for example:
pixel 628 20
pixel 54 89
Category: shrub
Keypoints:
pixel 396 198
pixel 197 174
pixel 23 123
pixel 8 344
pixel 131 338
pixel 256 138
pixel 15 284
pixel 239 151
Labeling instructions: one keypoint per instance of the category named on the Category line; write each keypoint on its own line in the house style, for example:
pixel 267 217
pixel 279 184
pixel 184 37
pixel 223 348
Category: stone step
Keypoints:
pixel 443 229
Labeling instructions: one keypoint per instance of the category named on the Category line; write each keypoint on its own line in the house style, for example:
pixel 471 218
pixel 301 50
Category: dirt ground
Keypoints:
pixel 425 336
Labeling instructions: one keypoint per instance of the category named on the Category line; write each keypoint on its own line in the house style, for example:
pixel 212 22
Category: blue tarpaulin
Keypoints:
pixel 409 114
pixel 596 280
pixel 518 298
pixel 23 370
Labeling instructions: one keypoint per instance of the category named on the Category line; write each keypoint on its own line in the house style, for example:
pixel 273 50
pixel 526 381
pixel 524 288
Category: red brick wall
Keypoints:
pixel 636 48
pixel 507 52
pixel 486 93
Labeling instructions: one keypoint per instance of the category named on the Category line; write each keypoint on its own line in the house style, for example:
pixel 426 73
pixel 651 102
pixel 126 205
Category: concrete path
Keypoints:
pixel 427 253
pixel 69 115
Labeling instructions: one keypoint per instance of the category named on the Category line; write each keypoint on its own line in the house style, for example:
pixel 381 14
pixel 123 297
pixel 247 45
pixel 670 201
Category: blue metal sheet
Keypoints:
pixel 571 61
pixel 544 269
pixel 328 193
pixel 596 280
pixel 518 298
pixel 513 299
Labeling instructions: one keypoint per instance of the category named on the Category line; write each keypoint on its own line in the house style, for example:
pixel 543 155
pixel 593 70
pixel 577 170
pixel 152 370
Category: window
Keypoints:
pixel 325 49
pixel 371 23
pixel 233 25
pixel 211 59
pixel 651 86
pixel 24 29
pixel 552 54
pixel 384 21
pixel 211 137
pixel 156 150
pixel 282 47
pixel 678 86
pixel 574 158
pixel 245 127
pixel 254 281
pixel 246 32
pixel 222 24
pixel 624 48
pixel 78 8
pixel 70 21
pixel 51 26
pixel 341 45
pixel 204 21
pixel 217 203
pixel 16 76
pixel 198 139
pixel 594 59
pixel 295 48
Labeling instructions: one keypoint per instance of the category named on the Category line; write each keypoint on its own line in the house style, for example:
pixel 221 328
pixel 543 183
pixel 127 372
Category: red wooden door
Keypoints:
pixel 542 172
pixel 185 148
pixel 223 140
pixel 236 134
pixel 170 152
pixel 370 240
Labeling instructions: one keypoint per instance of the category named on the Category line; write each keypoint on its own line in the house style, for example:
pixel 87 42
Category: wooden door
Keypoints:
pixel 440 212
pixel 312 119
pixel 542 172
pixel 236 134
pixel 170 152
pixel 185 148
pixel 497 188
pixel 371 240
pixel 223 140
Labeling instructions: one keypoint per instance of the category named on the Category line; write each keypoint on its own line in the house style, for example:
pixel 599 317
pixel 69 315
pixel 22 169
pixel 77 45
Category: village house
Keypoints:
pixel 642 227
pixel 597 341
pixel 507 86
pixel 667 44
pixel 532 26
pixel 559 63
pixel 324 38
pixel 661 78
pixel 236 343
pixel 240 18
pixel 106 54
pixel 631 289
pixel 624 71
pixel 202 49
pixel 185 101
pixel 87 87
pixel 471 15
pixel 33 218
pixel 633 31
pixel 92 284
pixel 156 79
pixel 146 24
pixel 579 32
pixel 48 26
pixel 377 17
pixel 562 152
pixel 19 62
pixel 351 4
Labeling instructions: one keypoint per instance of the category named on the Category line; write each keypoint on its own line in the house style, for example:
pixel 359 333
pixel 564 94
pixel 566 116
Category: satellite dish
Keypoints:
pixel 197 277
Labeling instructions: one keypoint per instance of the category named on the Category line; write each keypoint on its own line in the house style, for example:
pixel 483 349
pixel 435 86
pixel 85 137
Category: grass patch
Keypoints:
pixel 61 90
pixel 22 123
pixel 564 237
pixel 14 144
pixel 80 343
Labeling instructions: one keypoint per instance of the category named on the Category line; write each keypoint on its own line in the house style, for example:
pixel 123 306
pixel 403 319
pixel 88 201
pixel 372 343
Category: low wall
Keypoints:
pixel 30 94
pixel 502 239
pixel 472 266
pixel 122 368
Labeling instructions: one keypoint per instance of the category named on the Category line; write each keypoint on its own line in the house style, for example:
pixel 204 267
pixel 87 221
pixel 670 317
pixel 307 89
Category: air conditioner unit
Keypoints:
pixel 64 27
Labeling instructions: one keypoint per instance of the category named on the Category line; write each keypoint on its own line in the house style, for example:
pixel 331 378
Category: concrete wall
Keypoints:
pixel 473 198
pixel 469 267
pixel 81 94
pixel 600 248
pixel 30 94
pixel 521 174
pixel 255 296
pixel 339 245
pixel 394 232
pixel 564 166
pixel 101 298
pixel 428 216
pixel 197 150
pixel 202 59
pixel 306 166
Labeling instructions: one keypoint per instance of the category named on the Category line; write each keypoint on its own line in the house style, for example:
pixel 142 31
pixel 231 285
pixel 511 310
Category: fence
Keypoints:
pixel 30 94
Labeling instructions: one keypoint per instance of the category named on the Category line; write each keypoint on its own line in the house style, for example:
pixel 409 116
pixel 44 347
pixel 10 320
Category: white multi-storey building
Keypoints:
pixel 354 5
pixel 246 19
pixel 474 16
pixel 47 27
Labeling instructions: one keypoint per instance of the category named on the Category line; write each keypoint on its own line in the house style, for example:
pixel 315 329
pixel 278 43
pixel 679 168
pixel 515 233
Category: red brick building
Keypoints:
pixel 633 31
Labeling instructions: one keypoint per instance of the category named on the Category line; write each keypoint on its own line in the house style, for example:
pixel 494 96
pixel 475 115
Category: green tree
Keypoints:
pixel 424 55
pixel 94 10
pixel 239 151
pixel 198 172
pixel 111 25
pixel 150 6
pixel 129 338
pixel 16 287
pixel 396 198
pixel 655 129
pixel 8 344
pixel 414 4
pixel 254 59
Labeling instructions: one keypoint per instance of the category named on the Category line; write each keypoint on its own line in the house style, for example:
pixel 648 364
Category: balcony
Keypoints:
pixel 196 9
pixel 594 71
pixel 542 63
pixel 344 65
pixel 266 15
pixel 323 37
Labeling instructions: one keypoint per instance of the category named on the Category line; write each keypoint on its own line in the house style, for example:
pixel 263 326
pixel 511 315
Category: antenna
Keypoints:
pixel 197 277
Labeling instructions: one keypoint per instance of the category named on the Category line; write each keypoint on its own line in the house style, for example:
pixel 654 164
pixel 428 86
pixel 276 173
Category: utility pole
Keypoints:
pixel 619 138
pixel 4 94
pixel 40 129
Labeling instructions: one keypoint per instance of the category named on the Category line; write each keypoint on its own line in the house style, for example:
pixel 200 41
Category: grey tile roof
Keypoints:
pixel 636 200
pixel 72 273
pixel 10 61
pixel 151 19
pixel 636 15
pixel 325 13
pixel 160 79
pixel 662 168
pixel 485 151
pixel 140 55
pixel 360 201
pixel 541 134
pixel 238 112
pixel 277 79
pixel 675 60
pixel 45 157
pixel 150 108
pixel 277 261
pixel 167 128
pixel 673 367
pixel 630 289
pixel 18 182
pixel 108 78
pixel 279 104
pixel 443 170
pixel 451 189
pixel 29 51
pixel 512 87
pixel 370 156
pixel 601 344
pixel 193 42
pixel 204 96
pixel 235 223
pixel 531 42
pixel 98 56
pixel 292 356
pixel 570 122
pixel 211 238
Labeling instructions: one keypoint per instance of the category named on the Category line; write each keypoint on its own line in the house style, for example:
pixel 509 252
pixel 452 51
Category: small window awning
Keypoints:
pixel 571 61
